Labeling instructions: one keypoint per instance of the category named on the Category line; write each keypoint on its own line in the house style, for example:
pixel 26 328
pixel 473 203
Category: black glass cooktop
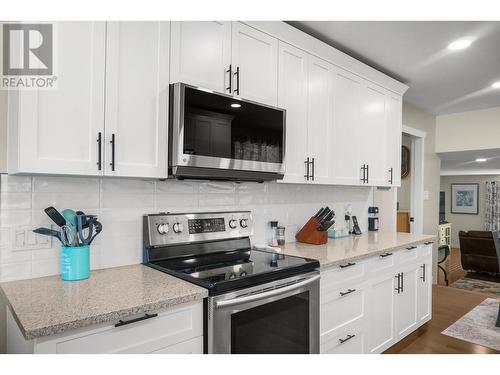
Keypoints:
pixel 222 272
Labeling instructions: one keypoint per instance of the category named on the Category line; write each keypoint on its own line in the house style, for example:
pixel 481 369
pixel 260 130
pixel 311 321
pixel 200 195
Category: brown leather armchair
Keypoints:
pixel 478 252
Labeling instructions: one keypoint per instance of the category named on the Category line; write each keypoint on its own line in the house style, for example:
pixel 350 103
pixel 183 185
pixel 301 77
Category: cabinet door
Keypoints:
pixel 372 135
pixel 57 129
pixel 201 54
pixel 393 140
pixel 345 162
pixel 292 96
pixel 320 108
pixel 255 54
pixel 406 302
pixel 380 314
pixel 137 98
pixel 424 291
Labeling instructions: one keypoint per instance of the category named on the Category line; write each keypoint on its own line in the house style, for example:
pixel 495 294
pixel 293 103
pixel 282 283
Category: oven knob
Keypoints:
pixel 178 227
pixel 232 275
pixel 232 224
pixel 244 223
pixel 243 273
pixel 163 228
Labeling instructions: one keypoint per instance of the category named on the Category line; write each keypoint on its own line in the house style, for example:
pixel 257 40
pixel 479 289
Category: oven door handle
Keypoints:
pixel 270 293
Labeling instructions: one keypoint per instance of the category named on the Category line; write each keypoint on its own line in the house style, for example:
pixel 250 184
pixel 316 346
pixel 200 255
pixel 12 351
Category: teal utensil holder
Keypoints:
pixel 75 263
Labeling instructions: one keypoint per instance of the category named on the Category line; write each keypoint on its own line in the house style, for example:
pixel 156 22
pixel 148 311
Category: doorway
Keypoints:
pixel 410 196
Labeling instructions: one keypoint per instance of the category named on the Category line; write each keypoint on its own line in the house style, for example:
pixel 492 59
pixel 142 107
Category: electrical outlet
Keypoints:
pixel 26 239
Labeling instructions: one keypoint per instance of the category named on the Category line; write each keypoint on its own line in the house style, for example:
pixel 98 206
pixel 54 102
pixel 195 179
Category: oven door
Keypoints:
pixel 281 317
pixel 217 131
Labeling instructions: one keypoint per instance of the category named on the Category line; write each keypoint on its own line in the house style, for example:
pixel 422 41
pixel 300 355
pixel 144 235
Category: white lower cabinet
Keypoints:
pixel 177 330
pixel 367 307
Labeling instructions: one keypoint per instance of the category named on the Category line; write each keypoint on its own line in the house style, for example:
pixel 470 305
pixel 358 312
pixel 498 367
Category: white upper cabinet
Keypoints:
pixel 201 54
pixel 292 96
pixel 254 64
pixel 372 134
pixel 393 140
pixel 346 130
pixel 320 108
pixel 137 87
pixel 56 131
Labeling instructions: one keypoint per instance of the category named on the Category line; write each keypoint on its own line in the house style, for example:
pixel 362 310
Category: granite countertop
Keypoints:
pixel 354 248
pixel 48 305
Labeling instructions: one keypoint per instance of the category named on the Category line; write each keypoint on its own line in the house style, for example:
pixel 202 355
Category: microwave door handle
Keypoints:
pixel 270 293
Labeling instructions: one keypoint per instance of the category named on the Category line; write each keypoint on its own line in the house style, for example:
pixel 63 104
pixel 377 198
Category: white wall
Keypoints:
pixel 3 131
pixel 120 204
pixel 465 221
pixel 474 130
pixel 416 118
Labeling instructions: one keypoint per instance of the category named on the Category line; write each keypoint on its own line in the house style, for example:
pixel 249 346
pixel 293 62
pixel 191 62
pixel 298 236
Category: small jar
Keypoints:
pixel 280 235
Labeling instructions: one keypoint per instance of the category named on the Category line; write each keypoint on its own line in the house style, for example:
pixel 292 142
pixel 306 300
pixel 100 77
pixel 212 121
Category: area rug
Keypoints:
pixel 478 286
pixel 478 325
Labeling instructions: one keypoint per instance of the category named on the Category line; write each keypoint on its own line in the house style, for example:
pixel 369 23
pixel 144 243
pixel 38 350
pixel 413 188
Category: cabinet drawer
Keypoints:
pixel 340 306
pixel 380 263
pixel 349 271
pixel 349 340
pixel 406 254
pixel 146 336
pixel 193 346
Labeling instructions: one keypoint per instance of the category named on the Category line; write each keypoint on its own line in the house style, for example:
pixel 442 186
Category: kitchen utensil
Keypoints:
pixel 68 236
pixel 55 216
pixel 328 217
pixel 86 225
pixel 48 232
pixel 325 212
pixel 82 220
pixel 355 227
pixel 319 212
pixel 98 229
pixel 71 222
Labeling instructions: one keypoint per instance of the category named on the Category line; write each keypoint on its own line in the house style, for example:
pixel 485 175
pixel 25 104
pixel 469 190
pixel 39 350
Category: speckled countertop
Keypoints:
pixel 48 305
pixel 352 248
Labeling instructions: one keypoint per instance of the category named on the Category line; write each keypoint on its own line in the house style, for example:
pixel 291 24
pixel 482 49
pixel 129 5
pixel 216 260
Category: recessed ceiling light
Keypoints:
pixel 235 105
pixel 496 85
pixel 459 44
pixel 480 160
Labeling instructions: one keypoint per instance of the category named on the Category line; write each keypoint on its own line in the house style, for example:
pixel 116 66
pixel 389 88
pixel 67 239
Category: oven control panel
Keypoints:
pixel 175 228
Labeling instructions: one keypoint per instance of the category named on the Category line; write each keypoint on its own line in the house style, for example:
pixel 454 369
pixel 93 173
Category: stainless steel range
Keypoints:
pixel 259 301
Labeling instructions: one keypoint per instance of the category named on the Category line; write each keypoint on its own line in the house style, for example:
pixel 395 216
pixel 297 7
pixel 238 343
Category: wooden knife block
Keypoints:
pixel 310 233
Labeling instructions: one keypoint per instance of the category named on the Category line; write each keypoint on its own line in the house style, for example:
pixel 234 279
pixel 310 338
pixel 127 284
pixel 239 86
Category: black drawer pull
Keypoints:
pixel 385 255
pixel 125 322
pixel 347 265
pixel 411 247
pixel 428 243
pixel 349 291
pixel 348 337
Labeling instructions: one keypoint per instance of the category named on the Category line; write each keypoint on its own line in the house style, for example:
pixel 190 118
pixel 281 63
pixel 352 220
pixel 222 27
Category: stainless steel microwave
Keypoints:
pixel 220 137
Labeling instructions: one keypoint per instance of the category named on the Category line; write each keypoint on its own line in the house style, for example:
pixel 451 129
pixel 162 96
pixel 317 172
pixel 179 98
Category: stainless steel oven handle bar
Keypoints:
pixel 271 293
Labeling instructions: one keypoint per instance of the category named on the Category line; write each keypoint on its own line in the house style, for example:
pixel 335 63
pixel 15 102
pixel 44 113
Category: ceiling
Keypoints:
pixel 464 162
pixel 415 52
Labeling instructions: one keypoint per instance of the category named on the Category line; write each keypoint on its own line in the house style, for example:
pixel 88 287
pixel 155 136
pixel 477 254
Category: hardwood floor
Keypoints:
pixel 449 304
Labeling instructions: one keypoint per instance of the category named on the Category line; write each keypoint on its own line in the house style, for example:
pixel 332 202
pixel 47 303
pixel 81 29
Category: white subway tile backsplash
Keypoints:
pixel 121 203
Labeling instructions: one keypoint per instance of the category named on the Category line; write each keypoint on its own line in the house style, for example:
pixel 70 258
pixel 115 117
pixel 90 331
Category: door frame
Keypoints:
pixel 417 181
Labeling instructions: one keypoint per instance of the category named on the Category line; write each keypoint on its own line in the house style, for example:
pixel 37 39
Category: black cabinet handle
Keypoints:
pixel 348 337
pixel 312 164
pixel 428 243
pixel 112 152
pixel 230 71
pixel 423 272
pixel 363 169
pixel 411 247
pixel 402 282
pixel 385 255
pixel 398 289
pixel 99 151
pixel 237 74
pixel 307 169
pixel 125 322
pixel 367 173
pixel 390 171
pixel 347 265
pixel 349 291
